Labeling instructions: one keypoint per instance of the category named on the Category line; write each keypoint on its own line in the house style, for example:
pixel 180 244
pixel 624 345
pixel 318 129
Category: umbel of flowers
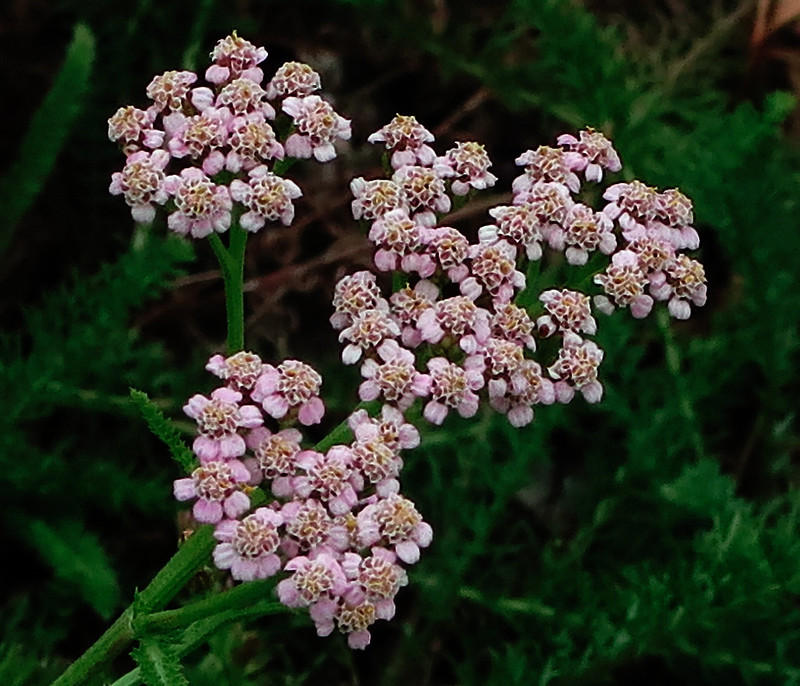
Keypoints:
pixel 333 523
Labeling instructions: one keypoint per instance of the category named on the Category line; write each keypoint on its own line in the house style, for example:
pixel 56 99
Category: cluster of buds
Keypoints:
pixel 335 521
pixel 209 153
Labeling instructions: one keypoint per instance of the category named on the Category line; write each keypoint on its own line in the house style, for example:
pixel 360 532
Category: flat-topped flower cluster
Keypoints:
pixel 457 310
pixel 453 335
pixel 335 520
pixel 199 151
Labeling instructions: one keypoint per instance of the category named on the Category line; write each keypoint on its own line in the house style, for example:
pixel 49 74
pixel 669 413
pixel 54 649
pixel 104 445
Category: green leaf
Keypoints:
pixel 164 429
pixel 159 663
pixel 77 556
pixel 46 133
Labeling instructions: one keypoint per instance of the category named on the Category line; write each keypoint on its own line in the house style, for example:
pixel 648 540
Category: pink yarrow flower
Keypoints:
pixel 267 197
pixel 220 419
pixel 545 164
pixel 591 153
pixel 527 387
pixel 248 547
pixel 468 166
pixel 408 305
pixel 366 332
pixel 133 128
pixel 390 428
pixel 331 477
pixel 566 311
pixel 252 142
pixel 317 127
pixel 244 96
pixel 293 78
pixel 424 191
pixel 169 91
pixel 518 225
pixel 201 206
pixel 312 580
pixel 398 242
pixel 576 369
pixel 235 57
pixel 624 282
pixel 241 370
pixel 217 485
pixel 353 294
pixel 493 269
pixel 396 379
pixel 395 523
pixel 453 387
pixel 141 183
pixel 275 456
pixel 407 139
pixel 373 199
pixel 294 386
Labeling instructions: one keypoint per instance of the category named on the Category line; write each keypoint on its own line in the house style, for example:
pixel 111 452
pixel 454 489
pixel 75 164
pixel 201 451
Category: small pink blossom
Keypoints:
pixel 267 197
pixel 396 380
pixel 293 78
pixel 450 248
pixel 373 199
pixel 294 385
pixel 317 127
pixel 366 332
pixel 141 183
pixel 330 477
pixel 514 324
pixel 133 128
pixel 241 370
pixel 468 165
pixel 252 142
pixel 169 90
pixel 201 206
pixel 397 239
pixel 217 485
pixel 407 306
pixel 545 164
pixel 686 280
pixel 202 135
pixel 576 369
pixel 459 318
pixel 235 57
pixel 633 205
pixel 390 428
pixel 566 311
pixel 424 192
pixel 308 524
pixel 673 219
pixel 493 269
pixel 354 294
pixel 248 547
pixel 453 387
pixel 243 96
pixel 624 282
pixel 584 231
pixel 312 580
pixel 220 418
pixel 395 522
pixel 591 153
pixel 518 225
pixel 275 455
pixel 407 139
pixel 527 387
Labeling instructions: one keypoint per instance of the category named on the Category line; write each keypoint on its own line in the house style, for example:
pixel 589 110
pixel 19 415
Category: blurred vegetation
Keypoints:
pixel 651 539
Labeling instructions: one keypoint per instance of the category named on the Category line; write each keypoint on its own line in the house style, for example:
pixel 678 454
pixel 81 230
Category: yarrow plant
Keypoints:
pixel 462 329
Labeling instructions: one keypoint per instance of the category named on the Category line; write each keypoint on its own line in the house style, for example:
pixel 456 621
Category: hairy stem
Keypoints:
pixel 163 588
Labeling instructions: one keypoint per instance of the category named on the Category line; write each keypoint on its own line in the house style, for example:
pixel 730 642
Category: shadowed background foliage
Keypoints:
pixel 650 539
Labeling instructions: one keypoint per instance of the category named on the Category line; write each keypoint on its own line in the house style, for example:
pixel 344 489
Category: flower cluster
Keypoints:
pixel 459 298
pixel 208 153
pixel 334 520
pixel 454 335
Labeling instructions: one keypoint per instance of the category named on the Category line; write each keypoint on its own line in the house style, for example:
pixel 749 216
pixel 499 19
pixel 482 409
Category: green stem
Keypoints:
pixel 240 596
pixel 166 584
pixel 231 262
